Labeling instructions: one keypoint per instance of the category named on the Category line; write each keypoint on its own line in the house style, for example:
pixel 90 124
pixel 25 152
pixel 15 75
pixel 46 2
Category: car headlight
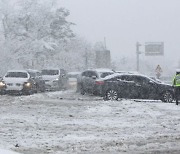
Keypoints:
pixel 2 84
pixel 56 80
pixel 27 84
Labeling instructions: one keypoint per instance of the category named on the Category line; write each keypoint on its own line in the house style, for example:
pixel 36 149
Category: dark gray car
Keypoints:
pixel 134 86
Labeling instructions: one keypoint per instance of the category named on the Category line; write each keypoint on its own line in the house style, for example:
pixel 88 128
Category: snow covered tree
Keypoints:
pixel 37 34
pixel 34 29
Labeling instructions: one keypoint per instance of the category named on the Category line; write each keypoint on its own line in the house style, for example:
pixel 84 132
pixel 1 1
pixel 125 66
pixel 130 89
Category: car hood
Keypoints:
pixel 165 86
pixel 15 80
pixel 50 77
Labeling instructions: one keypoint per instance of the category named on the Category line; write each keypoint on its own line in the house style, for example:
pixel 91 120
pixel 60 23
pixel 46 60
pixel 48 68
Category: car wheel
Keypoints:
pixel 111 95
pixel 167 97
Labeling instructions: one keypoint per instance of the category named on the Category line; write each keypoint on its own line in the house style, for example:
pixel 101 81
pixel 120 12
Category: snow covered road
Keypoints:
pixel 67 122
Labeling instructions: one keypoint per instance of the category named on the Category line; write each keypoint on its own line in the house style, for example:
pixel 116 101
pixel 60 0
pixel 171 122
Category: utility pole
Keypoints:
pixel 86 58
pixel 137 54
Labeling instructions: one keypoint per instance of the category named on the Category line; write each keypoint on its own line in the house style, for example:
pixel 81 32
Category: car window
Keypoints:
pixel 104 74
pixel 91 74
pixel 125 78
pixel 32 74
pixel 16 75
pixel 50 72
pixel 84 74
pixel 141 80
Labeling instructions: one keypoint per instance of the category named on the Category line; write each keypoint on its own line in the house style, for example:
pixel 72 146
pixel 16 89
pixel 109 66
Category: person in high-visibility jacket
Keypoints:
pixel 176 85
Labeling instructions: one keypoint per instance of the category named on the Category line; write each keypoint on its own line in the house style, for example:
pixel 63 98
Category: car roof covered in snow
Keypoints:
pixel 100 70
pixel 18 71
pixel 51 68
pixel 129 74
pixel 32 70
pixel 103 70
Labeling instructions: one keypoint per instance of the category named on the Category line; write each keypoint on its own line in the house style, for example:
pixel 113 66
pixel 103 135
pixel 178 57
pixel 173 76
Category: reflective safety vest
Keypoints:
pixel 176 81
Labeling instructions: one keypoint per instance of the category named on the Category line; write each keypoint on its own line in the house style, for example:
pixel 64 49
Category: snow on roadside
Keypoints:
pixel 7 152
pixel 67 122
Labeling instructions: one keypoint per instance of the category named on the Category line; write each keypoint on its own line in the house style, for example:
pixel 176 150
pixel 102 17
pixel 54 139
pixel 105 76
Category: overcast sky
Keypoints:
pixel 124 22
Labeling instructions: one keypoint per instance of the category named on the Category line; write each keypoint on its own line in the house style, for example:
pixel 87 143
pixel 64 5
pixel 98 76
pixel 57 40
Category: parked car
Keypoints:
pixel 87 81
pixel 55 79
pixel 134 86
pixel 18 81
pixel 37 77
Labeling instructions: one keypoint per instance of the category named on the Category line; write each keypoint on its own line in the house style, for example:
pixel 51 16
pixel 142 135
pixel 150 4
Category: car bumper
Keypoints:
pixel 51 85
pixel 17 89
pixel 98 90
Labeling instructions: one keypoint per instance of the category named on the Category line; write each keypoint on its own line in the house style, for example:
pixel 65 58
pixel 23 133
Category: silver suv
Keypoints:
pixel 88 80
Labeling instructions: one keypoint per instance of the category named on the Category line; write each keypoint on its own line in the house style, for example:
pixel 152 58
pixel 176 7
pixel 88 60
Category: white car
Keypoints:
pixel 55 79
pixel 18 81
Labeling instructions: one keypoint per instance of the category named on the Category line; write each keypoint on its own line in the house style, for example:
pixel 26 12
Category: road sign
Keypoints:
pixel 154 49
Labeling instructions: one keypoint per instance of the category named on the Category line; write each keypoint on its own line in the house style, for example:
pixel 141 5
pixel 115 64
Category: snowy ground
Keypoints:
pixel 66 122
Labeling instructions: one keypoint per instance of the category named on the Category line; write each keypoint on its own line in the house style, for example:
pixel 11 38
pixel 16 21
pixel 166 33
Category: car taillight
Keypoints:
pixel 99 82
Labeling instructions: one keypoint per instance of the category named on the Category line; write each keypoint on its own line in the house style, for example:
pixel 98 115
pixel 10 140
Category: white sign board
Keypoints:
pixel 154 49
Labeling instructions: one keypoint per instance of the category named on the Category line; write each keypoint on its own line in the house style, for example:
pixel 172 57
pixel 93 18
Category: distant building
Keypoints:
pixel 103 59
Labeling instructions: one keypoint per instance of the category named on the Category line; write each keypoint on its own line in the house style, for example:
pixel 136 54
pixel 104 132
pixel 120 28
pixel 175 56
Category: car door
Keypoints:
pixel 126 86
pixel 92 76
pixel 146 88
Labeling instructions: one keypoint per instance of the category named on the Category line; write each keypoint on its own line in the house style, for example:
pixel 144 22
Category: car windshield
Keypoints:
pixel 50 72
pixel 32 74
pixel 16 75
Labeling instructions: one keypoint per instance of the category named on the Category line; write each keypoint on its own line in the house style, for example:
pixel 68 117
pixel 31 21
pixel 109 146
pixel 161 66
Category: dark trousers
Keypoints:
pixel 177 94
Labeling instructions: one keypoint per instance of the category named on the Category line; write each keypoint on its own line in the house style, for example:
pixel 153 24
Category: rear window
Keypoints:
pixel 16 75
pixel 50 72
